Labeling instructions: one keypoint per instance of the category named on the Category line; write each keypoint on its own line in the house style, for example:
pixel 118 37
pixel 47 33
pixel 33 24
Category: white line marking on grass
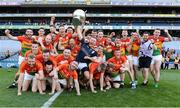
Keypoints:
pixel 51 100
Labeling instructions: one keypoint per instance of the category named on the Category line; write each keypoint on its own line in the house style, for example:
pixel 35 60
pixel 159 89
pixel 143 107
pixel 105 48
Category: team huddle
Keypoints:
pixel 73 58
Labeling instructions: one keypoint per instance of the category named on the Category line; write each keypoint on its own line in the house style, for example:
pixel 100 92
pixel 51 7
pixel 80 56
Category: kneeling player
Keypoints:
pixel 51 76
pixel 30 70
pixel 68 71
pixel 119 65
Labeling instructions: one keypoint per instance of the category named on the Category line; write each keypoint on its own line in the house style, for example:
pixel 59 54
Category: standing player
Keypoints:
pixel 100 39
pixel 26 42
pixel 30 70
pixel 47 43
pixel 157 54
pixel 108 48
pixel 63 39
pixel 41 35
pixel 87 49
pixel 135 45
pixel 145 56
pixel 125 41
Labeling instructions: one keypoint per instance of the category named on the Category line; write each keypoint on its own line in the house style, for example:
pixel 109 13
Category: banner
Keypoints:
pixel 110 27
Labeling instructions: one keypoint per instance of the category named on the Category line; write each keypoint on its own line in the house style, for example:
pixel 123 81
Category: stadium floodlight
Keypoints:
pixel 79 17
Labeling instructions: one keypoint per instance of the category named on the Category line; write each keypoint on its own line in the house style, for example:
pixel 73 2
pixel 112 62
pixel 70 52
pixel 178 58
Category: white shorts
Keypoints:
pixel 129 57
pixel 20 60
pixel 63 81
pixel 135 61
pixel 28 76
pixel 156 58
pixel 117 78
pixel 82 65
pixel 126 64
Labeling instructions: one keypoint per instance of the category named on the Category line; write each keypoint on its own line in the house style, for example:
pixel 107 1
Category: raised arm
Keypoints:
pixel 7 32
pixel 84 32
pixel 168 35
pixel 79 32
pixel 137 31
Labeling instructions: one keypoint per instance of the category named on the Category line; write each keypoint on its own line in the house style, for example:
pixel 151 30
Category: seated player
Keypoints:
pixel 30 70
pixel 68 71
pixel 97 69
pixel 51 76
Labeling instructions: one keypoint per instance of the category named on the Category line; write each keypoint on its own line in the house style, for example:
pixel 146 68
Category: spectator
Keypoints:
pixel 176 62
pixel 7 54
pixel 166 52
pixel 173 55
pixel 162 64
pixel 166 63
pixel 163 52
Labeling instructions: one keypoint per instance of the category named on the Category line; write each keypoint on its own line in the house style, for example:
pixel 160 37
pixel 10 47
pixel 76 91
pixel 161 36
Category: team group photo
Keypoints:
pixel 88 53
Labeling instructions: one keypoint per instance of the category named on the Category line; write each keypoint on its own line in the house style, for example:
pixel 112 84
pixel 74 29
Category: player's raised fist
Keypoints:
pixel 7 31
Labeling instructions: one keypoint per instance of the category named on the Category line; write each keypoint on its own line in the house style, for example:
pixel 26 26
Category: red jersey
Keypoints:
pixel 25 44
pixel 74 50
pixel 101 42
pixel 61 60
pixel 117 62
pixel 64 40
pixel 159 44
pixel 135 48
pixel 30 52
pixel 64 70
pixel 51 58
pixel 122 50
pixel 109 48
pixel 31 70
pixel 49 47
pixel 124 43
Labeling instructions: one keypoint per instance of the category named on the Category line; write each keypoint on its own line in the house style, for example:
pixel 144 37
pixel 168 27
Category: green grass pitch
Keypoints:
pixel 167 95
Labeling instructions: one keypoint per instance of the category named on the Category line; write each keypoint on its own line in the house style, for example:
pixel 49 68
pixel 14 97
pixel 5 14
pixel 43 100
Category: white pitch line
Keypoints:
pixel 51 100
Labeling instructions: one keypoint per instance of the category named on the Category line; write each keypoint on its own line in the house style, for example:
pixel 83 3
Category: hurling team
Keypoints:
pixel 75 58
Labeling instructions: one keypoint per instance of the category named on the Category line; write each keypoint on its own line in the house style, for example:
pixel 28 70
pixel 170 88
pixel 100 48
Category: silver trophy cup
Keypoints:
pixel 79 17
